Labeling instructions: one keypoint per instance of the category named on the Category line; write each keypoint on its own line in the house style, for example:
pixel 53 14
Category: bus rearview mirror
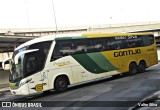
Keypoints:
pixel 3 63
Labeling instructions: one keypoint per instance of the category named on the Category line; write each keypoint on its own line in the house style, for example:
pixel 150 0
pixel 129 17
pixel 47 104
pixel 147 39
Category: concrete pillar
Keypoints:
pixel 14 46
pixel 4 77
pixel 8 54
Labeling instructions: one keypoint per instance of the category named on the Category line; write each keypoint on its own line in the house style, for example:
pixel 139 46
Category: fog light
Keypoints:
pixel 14 92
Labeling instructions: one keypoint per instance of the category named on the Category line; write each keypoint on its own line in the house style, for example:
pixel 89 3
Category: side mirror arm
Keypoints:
pixel 3 63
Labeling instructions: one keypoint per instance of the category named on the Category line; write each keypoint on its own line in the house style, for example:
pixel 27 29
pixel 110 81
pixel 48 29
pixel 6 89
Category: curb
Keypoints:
pixel 4 89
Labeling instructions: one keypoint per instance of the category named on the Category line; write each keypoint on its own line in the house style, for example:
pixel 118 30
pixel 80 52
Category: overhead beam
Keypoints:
pixel 2 50
pixel 7 42
pixel 16 36
pixel 6 47
pixel 6 51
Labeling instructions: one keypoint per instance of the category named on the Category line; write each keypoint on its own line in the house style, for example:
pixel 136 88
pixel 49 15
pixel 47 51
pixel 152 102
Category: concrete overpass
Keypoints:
pixel 11 38
pixel 127 27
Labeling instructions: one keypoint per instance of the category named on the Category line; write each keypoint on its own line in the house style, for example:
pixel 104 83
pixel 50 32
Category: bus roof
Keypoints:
pixel 79 35
pixel 103 34
pixel 46 38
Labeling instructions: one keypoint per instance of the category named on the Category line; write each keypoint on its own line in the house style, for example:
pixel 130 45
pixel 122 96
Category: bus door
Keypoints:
pixel 32 68
pixel 39 81
pixel 45 79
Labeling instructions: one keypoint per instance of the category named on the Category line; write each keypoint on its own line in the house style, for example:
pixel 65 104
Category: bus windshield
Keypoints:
pixel 16 70
pixel 29 63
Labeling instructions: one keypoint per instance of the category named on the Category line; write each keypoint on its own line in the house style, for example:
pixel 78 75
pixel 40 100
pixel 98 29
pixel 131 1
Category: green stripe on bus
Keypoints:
pixel 94 62
pixel 101 61
pixel 88 63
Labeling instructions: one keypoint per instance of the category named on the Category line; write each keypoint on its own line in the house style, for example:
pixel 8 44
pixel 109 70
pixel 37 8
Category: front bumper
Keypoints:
pixel 23 90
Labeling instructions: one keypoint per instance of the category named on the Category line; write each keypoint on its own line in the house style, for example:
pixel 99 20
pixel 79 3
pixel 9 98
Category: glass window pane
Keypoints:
pixel 84 46
pixel 99 45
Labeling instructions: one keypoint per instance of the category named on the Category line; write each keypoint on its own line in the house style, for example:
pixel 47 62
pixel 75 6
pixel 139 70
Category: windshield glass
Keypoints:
pixel 17 70
pixel 33 62
pixel 29 63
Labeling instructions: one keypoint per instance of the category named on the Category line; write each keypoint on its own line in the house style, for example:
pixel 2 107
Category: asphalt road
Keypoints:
pixel 119 89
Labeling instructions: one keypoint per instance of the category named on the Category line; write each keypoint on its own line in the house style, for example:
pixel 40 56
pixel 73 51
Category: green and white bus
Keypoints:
pixel 57 61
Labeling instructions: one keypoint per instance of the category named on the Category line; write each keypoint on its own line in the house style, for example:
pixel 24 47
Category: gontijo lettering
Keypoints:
pixel 127 52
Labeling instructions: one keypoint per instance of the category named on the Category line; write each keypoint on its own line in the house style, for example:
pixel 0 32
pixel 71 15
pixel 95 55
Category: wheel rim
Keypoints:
pixel 142 67
pixel 62 84
pixel 133 69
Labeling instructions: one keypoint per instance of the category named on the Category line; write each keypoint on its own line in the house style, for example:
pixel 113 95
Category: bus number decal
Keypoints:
pixel 127 52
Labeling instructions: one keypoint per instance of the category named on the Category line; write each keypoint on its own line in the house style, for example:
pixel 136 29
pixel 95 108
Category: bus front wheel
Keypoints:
pixel 133 68
pixel 61 84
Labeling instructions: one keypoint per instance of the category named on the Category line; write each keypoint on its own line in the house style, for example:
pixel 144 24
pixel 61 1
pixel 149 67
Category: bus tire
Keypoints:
pixel 133 68
pixel 142 66
pixel 61 84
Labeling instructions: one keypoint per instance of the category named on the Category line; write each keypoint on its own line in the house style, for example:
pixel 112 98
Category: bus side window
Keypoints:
pixel 151 40
pixel 90 45
pixel 56 52
pixel 84 46
pixel 99 45
pixel 80 46
pixel 116 44
pixel 63 48
pixel 139 42
pixel 131 43
pixel 148 40
pixel 107 44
